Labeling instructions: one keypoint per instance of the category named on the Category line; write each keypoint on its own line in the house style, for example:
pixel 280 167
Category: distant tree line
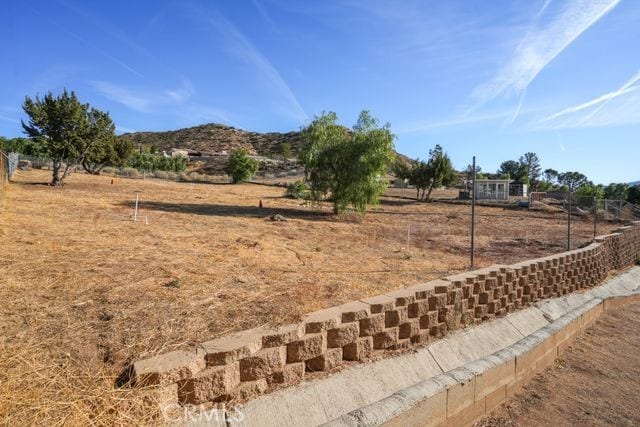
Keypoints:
pixel 70 133
pixel 527 170
pixel 345 166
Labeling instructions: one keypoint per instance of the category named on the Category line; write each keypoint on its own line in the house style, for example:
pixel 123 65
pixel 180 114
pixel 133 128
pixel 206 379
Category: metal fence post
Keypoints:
pixel 595 215
pixel 473 212
pixel 569 223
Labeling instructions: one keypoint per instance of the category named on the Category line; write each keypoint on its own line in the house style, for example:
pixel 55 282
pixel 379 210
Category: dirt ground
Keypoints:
pixel 85 290
pixel 595 383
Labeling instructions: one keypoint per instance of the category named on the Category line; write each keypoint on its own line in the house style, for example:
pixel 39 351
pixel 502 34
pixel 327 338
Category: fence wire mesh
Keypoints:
pixel 8 164
pixel 506 231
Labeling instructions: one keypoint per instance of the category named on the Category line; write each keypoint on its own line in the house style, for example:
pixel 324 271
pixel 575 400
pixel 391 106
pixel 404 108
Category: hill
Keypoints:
pixel 217 138
pixel 634 183
pixel 214 138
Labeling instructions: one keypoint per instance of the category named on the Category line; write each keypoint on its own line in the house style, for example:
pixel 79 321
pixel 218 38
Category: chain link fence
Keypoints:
pixel 8 164
pixel 583 206
pixel 506 231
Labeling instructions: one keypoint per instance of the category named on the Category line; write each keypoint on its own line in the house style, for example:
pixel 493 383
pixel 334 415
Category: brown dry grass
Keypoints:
pixel 84 290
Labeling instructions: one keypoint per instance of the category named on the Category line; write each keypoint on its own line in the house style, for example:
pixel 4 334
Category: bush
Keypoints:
pixel 131 172
pixel 285 149
pixel 165 175
pixel 151 162
pixel 199 177
pixel 633 195
pixel 241 167
pixel 297 190
pixel 160 174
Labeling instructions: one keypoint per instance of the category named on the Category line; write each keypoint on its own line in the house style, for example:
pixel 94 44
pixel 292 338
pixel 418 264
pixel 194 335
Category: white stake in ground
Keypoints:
pixel 135 213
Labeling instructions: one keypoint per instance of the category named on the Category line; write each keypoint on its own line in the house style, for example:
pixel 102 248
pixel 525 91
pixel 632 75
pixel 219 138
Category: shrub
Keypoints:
pixel 131 172
pixel 160 174
pixel 241 167
pixel 152 162
pixel 285 149
pixel 297 190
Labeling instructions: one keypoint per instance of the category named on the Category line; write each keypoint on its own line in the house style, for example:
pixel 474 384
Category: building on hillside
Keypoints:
pixel 177 152
pixel 492 189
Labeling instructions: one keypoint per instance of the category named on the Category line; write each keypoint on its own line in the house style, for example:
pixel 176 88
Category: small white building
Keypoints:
pixel 492 189
pixel 177 152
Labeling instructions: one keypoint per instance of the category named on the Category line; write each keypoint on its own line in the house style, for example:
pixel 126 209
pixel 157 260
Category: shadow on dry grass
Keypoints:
pixel 230 210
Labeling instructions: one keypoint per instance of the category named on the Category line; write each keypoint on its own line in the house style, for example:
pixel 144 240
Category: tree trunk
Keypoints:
pixel 67 170
pixel 417 193
pixel 76 161
pixel 56 180
pixel 429 194
pixel 92 168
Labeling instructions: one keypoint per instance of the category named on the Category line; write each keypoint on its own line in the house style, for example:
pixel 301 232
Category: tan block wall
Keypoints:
pixel 251 361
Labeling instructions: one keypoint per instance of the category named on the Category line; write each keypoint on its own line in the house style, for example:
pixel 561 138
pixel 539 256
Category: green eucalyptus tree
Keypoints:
pixel 349 166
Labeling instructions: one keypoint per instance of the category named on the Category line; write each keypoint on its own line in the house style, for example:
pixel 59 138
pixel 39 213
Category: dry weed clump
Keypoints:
pixel 35 390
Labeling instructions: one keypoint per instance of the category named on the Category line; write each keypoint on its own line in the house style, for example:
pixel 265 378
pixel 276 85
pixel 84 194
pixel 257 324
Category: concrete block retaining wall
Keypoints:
pixel 461 396
pixel 249 362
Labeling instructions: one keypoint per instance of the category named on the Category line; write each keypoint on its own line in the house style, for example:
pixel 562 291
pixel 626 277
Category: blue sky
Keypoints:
pixel 487 78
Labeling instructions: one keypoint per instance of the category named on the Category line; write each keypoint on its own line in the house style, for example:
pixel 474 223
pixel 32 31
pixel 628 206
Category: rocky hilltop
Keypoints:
pixel 215 138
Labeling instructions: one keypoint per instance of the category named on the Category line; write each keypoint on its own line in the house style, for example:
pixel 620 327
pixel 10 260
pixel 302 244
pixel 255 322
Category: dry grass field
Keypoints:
pixel 85 290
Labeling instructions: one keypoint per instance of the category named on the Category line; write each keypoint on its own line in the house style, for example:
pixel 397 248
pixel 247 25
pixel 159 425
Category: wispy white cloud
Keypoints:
pixel 145 100
pixel 542 43
pixel 9 119
pixel 600 101
pixel 613 108
pixel 544 7
pixel 100 23
pixel 263 12
pixel 244 50
pixel 177 101
pixel 461 120
pixel 88 44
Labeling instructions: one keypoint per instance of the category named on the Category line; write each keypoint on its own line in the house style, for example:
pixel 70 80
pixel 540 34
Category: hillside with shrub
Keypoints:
pixel 216 138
